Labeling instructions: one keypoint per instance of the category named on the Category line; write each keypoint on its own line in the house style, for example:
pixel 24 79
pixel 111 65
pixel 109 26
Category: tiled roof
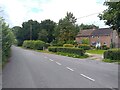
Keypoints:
pixel 95 32
pixel 102 31
pixel 85 32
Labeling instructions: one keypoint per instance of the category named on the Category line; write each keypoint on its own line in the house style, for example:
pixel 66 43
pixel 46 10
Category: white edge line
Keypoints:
pixel 50 59
pixel 69 69
pixel 58 63
pixel 87 77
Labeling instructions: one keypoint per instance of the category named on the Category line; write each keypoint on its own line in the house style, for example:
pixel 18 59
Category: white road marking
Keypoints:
pixel 112 88
pixel 69 69
pixel 58 63
pixel 87 77
pixel 50 59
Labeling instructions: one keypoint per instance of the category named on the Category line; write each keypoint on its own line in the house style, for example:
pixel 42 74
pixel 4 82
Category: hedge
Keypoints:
pixel 34 44
pixel 6 41
pixel 112 54
pixel 104 47
pixel 68 45
pixel 84 46
pixel 70 50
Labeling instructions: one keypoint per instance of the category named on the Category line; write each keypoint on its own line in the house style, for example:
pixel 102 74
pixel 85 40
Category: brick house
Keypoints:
pixel 99 37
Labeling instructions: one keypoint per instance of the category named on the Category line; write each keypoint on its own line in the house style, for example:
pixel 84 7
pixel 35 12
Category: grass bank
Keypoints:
pixel 95 51
pixel 64 54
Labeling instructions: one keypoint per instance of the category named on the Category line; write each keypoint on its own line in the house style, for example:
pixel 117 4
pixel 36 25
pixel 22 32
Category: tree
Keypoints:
pixel 19 34
pixel 66 29
pixel 42 35
pixel 112 15
pixel 85 26
pixel 47 28
pixel 29 30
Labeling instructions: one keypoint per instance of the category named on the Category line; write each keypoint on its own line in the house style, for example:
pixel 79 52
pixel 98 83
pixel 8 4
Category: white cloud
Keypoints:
pixel 19 11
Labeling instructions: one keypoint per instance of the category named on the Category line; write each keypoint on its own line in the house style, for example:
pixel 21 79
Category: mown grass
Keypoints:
pixel 64 54
pixel 95 51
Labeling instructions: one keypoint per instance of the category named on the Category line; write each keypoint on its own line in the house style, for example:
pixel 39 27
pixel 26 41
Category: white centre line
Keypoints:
pixel 69 69
pixel 50 59
pixel 58 63
pixel 87 77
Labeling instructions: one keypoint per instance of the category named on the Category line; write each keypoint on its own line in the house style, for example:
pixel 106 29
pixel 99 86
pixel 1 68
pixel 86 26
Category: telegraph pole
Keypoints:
pixel 30 32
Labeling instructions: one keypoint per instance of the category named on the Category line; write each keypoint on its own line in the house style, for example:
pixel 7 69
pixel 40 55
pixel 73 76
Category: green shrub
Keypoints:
pixel 72 55
pixel 6 41
pixel 85 41
pixel 32 44
pixel 47 45
pixel 84 46
pixel 71 42
pixel 68 45
pixel 112 54
pixel 52 49
pixel 104 47
pixel 76 51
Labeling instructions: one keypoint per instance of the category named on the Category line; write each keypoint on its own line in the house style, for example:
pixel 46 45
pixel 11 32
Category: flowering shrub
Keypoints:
pixel 84 46
pixel 68 45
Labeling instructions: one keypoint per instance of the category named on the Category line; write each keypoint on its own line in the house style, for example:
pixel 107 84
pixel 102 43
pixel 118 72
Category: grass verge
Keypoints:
pixel 95 51
pixel 64 54
pixel 111 61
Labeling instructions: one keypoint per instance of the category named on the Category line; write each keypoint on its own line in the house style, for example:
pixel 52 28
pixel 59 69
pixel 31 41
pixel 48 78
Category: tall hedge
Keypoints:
pixel 7 41
pixel 70 50
pixel 34 44
pixel 112 54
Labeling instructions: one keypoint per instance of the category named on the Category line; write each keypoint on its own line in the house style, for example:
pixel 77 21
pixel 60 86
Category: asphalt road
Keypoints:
pixel 30 69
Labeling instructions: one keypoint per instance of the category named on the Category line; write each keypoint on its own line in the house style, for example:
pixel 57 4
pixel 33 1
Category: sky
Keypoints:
pixel 15 12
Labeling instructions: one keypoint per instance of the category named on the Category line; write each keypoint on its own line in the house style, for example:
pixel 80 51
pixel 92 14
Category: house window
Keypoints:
pixel 93 43
pixel 105 43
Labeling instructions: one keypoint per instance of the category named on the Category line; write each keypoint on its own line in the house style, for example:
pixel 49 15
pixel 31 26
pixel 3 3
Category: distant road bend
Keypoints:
pixel 30 69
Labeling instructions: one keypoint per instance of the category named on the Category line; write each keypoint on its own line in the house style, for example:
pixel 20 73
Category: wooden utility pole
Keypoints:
pixel 30 32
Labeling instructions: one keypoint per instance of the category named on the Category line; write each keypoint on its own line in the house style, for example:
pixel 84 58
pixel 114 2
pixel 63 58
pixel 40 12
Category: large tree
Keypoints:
pixel 31 29
pixel 19 34
pixel 112 15
pixel 85 26
pixel 46 30
pixel 66 29
pixel 28 31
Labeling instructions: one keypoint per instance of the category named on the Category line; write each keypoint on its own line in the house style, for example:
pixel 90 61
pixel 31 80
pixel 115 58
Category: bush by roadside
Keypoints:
pixel 70 50
pixel 72 55
pixel 68 45
pixel 34 44
pixel 112 55
pixel 7 41
pixel 84 46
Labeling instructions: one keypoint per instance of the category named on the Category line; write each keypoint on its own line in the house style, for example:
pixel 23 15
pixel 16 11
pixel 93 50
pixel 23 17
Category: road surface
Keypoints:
pixel 30 69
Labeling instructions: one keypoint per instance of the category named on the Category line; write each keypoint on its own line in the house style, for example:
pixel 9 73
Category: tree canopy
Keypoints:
pixel 46 30
pixel 112 15
pixel 66 29
pixel 85 26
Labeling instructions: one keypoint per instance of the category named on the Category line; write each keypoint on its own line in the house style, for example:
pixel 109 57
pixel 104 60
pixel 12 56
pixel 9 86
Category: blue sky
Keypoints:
pixel 17 11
